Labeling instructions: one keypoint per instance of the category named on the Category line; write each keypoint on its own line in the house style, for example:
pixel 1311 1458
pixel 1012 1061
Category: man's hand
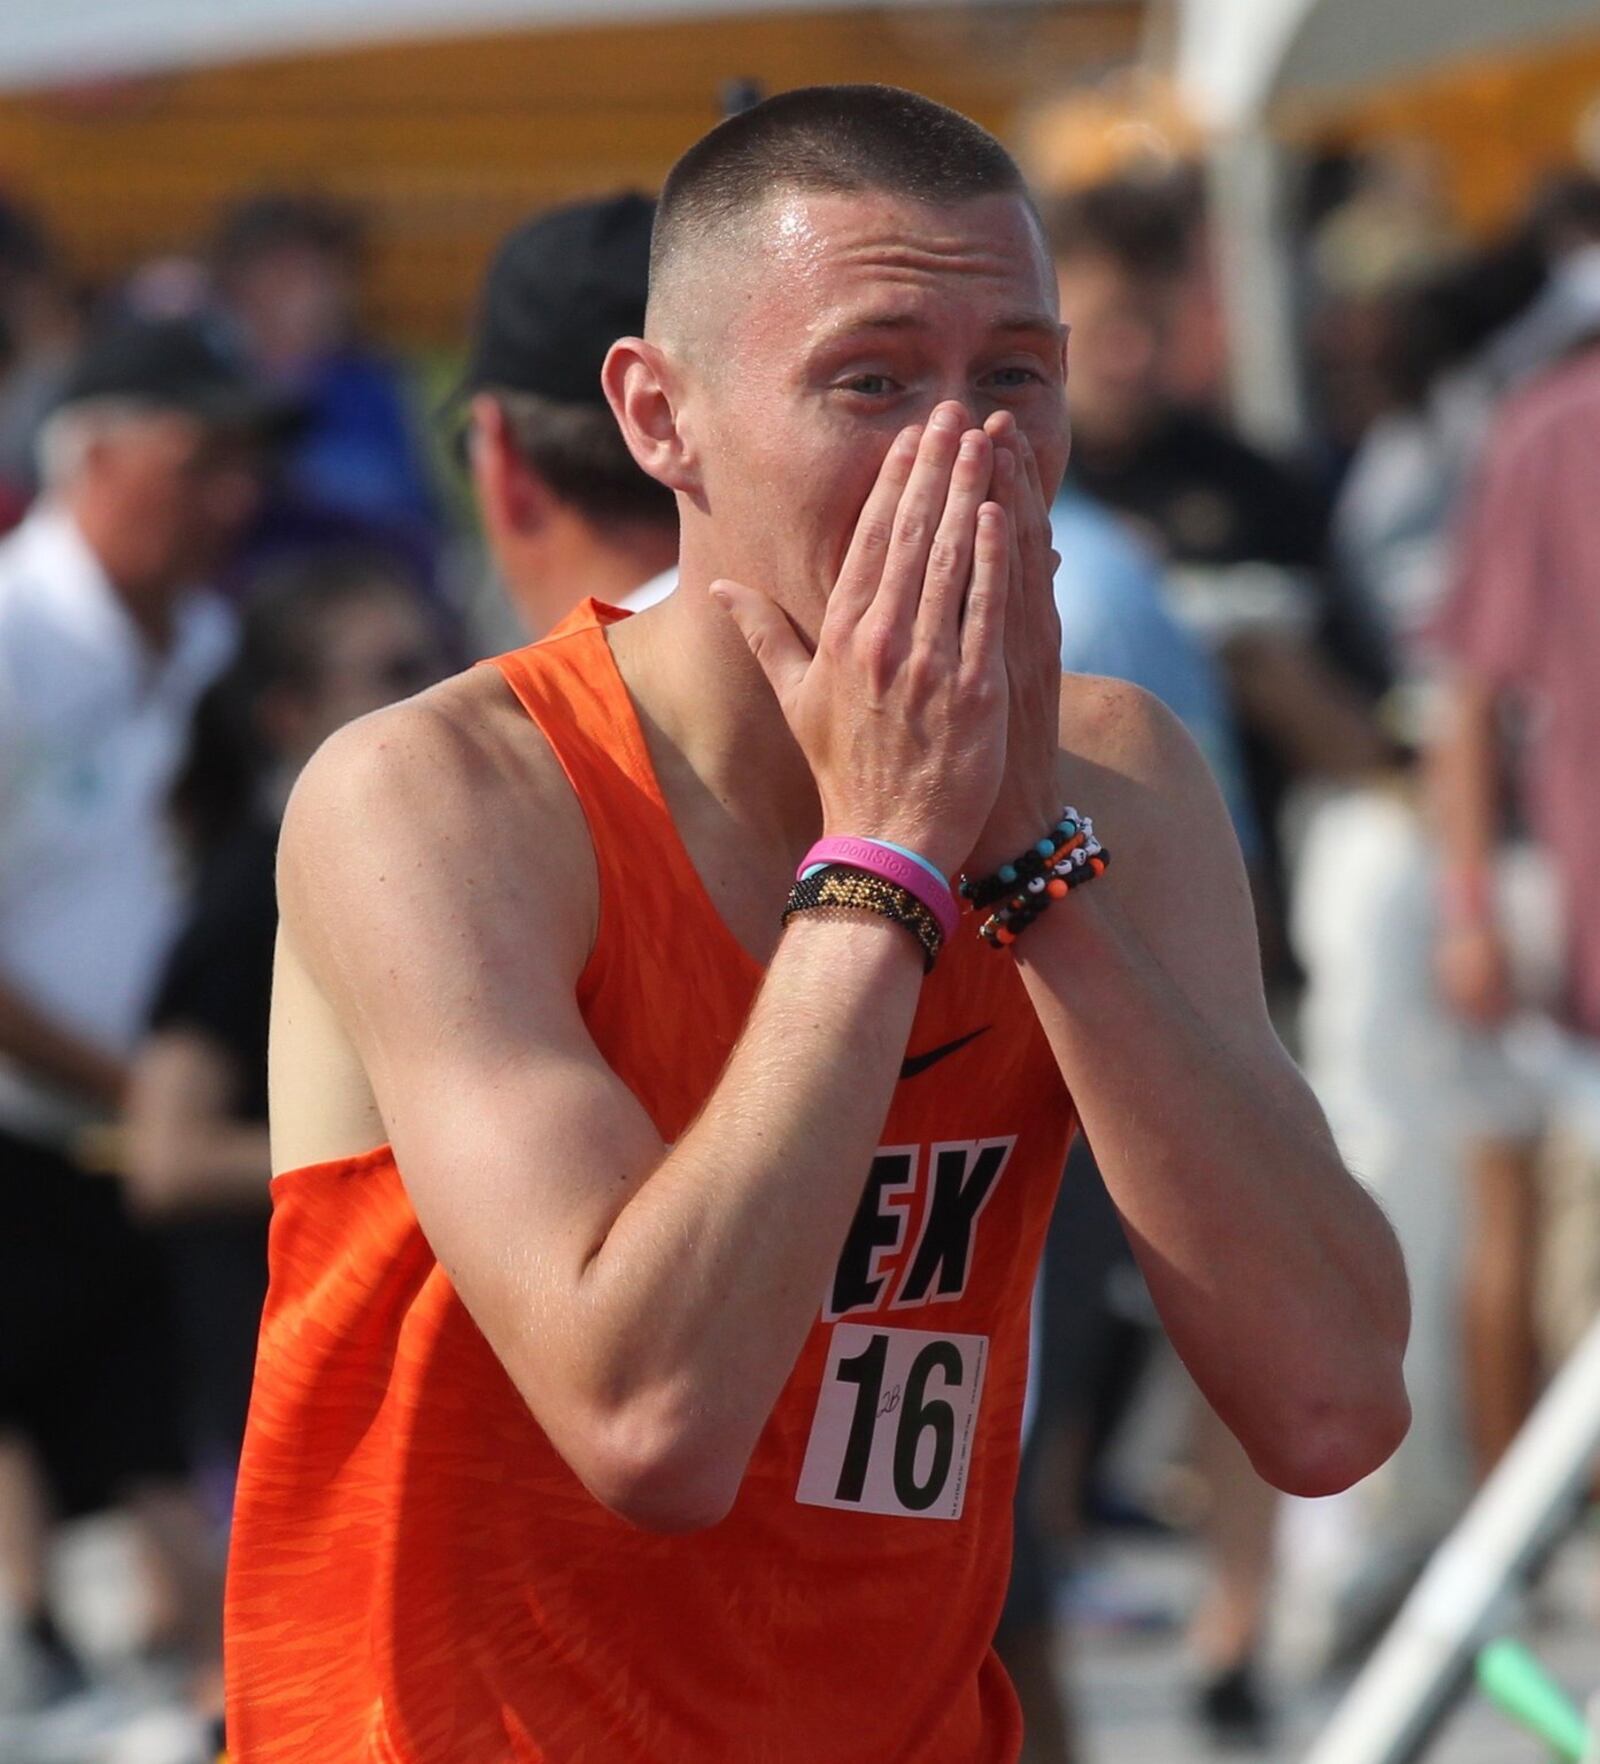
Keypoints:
pixel 901 712
pixel 1029 798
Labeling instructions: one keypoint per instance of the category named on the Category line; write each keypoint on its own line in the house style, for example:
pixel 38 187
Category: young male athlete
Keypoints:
pixel 643 1369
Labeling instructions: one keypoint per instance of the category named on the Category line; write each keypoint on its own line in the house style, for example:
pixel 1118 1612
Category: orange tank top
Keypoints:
pixel 416 1577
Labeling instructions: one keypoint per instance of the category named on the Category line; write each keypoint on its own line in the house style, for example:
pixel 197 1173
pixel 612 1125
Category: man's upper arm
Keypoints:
pixel 435 911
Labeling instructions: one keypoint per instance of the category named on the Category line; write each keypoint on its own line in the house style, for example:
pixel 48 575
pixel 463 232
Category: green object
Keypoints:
pixel 1516 1683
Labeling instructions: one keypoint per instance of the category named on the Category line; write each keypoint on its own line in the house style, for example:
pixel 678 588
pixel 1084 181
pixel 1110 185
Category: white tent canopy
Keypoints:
pixel 1235 57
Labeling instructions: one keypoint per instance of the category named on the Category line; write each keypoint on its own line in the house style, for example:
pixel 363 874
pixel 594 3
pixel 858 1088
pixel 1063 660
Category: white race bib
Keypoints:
pixel 895 1422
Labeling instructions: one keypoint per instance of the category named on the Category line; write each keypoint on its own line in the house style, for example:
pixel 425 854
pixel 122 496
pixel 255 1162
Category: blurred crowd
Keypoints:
pixel 232 531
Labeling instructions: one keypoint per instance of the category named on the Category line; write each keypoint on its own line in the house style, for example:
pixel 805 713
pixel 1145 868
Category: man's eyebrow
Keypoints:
pixel 1038 323
pixel 1035 324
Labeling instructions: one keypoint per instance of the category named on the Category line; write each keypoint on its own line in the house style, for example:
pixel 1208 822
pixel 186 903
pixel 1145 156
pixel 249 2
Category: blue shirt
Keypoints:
pixel 1115 622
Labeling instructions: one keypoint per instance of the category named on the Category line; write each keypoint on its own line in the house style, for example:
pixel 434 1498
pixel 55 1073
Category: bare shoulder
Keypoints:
pixel 445 757
pixel 1141 767
pixel 444 817
pixel 1177 873
pixel 437 899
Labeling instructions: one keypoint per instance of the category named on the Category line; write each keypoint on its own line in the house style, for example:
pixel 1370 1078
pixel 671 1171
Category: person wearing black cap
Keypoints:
pixel 149 470
pixel 566 512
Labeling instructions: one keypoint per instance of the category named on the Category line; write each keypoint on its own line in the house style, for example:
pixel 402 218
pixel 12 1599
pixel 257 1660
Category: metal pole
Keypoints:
pixel 1246 177
pixel 1407 1685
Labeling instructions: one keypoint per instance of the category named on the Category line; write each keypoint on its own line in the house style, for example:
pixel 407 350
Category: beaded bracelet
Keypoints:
pixel 841 888
pixel 1071 831
pixel 1007 923
pixel 907 869
pixel 1046 872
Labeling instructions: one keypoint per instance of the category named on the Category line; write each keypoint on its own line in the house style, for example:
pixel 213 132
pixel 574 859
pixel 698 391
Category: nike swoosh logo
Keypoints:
pixel 915 1063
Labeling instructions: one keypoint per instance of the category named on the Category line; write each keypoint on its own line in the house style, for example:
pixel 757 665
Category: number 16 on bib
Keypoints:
pixel 895 1422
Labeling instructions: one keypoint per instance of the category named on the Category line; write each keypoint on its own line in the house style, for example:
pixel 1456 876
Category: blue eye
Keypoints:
pixel 1012 378
pixel 870 385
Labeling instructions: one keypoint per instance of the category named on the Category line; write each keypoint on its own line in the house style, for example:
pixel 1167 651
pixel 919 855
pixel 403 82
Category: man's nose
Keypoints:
pixel 975 407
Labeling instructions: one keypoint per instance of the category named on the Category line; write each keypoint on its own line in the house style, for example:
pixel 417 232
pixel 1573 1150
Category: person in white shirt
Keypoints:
pixel 567 514
pixel 150 467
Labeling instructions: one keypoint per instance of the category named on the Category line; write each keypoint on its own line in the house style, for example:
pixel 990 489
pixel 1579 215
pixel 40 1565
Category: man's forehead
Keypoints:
pixel 838 247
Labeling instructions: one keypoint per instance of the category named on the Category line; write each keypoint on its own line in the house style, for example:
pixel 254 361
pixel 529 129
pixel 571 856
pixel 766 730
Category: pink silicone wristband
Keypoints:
pixel 882 860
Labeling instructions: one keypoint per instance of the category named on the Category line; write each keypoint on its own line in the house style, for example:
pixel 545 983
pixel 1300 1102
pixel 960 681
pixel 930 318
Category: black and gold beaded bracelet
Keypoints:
pixel 838 888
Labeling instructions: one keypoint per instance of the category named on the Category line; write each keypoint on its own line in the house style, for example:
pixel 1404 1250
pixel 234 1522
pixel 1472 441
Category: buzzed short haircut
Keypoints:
pixel 826 139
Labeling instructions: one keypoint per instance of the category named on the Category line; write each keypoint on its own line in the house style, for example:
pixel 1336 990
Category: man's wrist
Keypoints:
pixel 859 935
pixel 1088 929
pixel 1011 834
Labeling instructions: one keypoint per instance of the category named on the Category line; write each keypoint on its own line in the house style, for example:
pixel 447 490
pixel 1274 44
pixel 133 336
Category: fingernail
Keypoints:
pixel 946 419
pixel 970 446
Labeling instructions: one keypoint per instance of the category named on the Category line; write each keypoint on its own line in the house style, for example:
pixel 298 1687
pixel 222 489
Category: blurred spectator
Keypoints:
pixel 328 640
pixel 1393 229
pixel 1472 334
pixel 38 337
pixel 1454 345
pixel 1494 941
pixel 1388 234
pixel 285 269
pixel 1243 539
pixel 1563 228
pixel 1434 392
pixel 1521 632
pixel 1440 1118
pixel 149 467
pixel 566 511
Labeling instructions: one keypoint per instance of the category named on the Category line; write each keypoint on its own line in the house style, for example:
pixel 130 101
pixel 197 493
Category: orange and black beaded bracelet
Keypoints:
pixel 1020 891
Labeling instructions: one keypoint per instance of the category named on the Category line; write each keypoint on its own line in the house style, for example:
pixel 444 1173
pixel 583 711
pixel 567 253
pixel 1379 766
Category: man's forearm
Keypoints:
pixel 700 1296
pixel 1275 1273
pixel 45 1049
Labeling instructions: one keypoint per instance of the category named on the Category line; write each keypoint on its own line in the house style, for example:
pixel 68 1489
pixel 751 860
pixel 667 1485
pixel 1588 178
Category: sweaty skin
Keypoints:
pixel 870 413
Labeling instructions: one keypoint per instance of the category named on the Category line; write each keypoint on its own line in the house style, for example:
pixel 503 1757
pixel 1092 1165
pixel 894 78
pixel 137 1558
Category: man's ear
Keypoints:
pixel 643 389
pixel 512 494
